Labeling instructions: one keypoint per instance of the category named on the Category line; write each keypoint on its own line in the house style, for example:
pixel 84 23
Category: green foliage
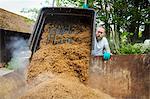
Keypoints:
pixel 147 50
pixel 130 49
pixel 124 37
pixel 33 13
pixel 127 47
pixel 29 21
pixel 140 34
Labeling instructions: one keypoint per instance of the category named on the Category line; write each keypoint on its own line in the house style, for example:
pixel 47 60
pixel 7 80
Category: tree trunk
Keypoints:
pixel 131 29
pixel 135 36
pixel 146 32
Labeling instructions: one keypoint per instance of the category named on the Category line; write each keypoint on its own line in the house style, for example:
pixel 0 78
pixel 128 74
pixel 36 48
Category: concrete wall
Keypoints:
pixel 123 76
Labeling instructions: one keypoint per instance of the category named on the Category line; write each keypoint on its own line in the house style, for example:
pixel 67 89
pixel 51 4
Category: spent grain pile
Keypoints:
pixel 67 57
pixel 56 87
pixel 70 57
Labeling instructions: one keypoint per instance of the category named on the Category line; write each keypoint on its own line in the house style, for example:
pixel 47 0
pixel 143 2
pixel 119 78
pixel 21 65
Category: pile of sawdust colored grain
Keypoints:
pixel 70 58
pixel 60 88
pixel 11 86
pixel 64 58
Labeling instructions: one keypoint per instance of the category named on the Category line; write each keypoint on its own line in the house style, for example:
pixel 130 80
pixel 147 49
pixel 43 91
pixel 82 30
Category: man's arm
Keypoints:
pixel 106 45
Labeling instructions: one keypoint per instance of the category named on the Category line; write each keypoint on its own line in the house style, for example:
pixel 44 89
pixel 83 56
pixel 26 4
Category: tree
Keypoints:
pixel 121 16
pixel 130 17
pixel 33 12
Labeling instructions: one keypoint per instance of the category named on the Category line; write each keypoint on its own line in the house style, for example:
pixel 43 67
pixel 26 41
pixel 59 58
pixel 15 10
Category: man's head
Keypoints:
pixel 100 33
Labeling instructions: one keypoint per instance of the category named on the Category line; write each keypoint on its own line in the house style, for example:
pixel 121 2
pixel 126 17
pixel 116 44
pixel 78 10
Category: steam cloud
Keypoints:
pixel 20 54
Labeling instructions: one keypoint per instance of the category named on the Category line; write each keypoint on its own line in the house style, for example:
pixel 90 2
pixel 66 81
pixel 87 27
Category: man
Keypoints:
pixel 101 46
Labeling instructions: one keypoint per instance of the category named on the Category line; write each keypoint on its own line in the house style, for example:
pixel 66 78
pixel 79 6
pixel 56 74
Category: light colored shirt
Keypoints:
pixel 100 47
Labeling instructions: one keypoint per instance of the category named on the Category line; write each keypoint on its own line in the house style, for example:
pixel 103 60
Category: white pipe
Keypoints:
pixel 85 1
pixel 53 4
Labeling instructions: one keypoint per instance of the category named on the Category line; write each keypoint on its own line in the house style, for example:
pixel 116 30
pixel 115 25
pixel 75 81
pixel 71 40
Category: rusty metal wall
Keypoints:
pixel 123 76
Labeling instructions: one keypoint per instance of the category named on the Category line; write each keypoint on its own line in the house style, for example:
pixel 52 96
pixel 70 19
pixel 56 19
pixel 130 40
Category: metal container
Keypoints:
pixel 65 17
